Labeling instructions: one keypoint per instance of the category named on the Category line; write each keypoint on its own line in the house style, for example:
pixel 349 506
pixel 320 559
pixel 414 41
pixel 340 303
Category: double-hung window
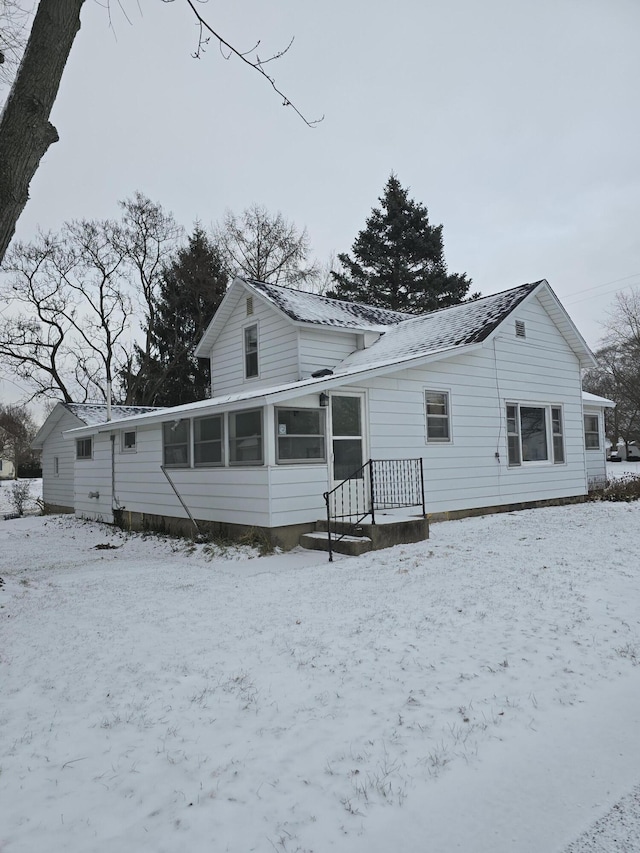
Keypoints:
pixel 175 439
pixel 534 434
pixel 300 435
pixel 438 416
pixel 207 441
pixel 591 432
pixel 245 437
pixel 84 448
pixel 251 351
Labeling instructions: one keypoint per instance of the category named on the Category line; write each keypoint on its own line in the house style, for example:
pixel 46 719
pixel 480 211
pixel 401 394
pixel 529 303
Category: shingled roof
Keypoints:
pixel 96 413
pixel 459 325
pixel 322 311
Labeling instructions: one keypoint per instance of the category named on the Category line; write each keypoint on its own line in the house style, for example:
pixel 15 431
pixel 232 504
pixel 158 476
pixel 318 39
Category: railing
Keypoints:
pixel 378 484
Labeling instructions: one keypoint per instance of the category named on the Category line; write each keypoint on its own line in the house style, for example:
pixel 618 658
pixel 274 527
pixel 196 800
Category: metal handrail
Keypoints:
pixel 393 483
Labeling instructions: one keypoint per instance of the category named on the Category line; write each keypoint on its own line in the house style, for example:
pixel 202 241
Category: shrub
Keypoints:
pixel 625 488
pixel 20 495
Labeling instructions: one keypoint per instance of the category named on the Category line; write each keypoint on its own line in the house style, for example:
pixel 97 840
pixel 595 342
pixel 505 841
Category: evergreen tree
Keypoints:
pixel 398 259
pixel 191 289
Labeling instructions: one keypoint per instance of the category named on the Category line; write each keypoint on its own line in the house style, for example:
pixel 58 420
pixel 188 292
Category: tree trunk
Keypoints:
pixel 25 130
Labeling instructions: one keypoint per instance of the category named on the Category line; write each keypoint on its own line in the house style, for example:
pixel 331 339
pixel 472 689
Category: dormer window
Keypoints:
pixel 251 351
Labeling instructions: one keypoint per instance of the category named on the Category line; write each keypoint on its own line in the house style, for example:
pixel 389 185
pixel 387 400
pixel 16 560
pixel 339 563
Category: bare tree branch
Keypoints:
pixel 257 64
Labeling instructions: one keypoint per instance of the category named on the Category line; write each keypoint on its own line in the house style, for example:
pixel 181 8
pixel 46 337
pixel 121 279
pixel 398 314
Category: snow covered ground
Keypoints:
pixel 479 691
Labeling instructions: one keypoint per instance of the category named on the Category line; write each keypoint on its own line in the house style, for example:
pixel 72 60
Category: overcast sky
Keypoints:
pixel 515 123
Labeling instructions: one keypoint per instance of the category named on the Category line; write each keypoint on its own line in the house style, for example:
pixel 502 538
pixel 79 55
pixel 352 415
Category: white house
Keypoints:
pixel 59 455
pixel 485 396
pixel 7 469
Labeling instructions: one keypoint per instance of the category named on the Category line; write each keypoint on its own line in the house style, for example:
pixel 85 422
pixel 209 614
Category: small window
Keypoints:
pixel 521 331
pixel 207 441
pixel 84 448
pixel 56 466
pixel 557 433
pixel 128 441
pixel 437 405
pixel 175 439
pixel 591 432
pixel 245 437
pixel 300 435
pixel 251 351
pixel 513 435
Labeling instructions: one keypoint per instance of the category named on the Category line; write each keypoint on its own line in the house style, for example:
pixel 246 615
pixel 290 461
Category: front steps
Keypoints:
pixel 388 530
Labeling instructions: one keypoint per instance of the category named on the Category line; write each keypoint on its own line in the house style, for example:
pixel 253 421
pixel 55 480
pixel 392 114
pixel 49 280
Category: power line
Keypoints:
pixel 571 301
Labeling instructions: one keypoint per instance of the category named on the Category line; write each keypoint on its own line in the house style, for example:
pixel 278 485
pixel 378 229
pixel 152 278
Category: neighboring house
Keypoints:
pixel 487 394
pixel 7 469
pixel 59 455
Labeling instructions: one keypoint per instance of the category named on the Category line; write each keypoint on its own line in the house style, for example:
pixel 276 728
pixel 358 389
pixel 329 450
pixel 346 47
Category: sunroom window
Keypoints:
pixel 207 441
pixel 300 435
pixel 245 437
pixel 175 440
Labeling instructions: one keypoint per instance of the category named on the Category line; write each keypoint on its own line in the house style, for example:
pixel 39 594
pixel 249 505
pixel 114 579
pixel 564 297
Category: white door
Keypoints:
pixel 348 455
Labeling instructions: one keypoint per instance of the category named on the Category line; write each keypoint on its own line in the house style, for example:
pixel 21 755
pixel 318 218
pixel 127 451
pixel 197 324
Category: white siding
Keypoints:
pixel 466 472
pixel 91 476
pixel 324 348
pixel 277 350
pixel 58 490
pixel 296 493
pixel 596 459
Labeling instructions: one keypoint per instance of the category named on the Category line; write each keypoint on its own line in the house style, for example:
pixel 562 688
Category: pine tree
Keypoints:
pixel 191 290
pixel 399 259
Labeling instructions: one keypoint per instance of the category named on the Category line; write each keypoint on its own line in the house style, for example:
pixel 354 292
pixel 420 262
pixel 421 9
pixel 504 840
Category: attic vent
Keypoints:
pixel 520 329
pixel 249 306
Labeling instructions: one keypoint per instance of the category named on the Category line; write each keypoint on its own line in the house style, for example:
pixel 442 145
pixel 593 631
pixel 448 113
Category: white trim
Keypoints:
pixel 448 416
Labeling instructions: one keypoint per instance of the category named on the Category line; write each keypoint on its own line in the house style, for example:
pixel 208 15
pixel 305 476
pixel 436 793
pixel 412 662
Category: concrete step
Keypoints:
pixel 352 546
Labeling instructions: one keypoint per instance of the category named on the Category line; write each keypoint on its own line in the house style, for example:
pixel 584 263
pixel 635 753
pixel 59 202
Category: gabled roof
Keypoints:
pixel 96 413
pixel 300 307
pixel 323 311
pixel 86 414
pixel 456 326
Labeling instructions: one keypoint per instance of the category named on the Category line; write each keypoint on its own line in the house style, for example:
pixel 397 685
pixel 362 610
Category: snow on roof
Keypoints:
pixel 595 400
pixel 96 413
pixel 321 310
pixel 458 325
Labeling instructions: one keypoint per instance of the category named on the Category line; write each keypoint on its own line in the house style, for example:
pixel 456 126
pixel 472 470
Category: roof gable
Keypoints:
pixel 448 328
pixel 299 307
pixel 85 414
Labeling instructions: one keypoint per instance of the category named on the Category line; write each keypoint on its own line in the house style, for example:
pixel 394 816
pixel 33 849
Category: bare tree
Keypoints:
pixel 70 326
pixel 25 130
pixel 265 247
pixel 17 430
pixel 617 374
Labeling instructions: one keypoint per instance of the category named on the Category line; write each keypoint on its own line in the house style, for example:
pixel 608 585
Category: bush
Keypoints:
pixel 625 488
pixel 20 495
